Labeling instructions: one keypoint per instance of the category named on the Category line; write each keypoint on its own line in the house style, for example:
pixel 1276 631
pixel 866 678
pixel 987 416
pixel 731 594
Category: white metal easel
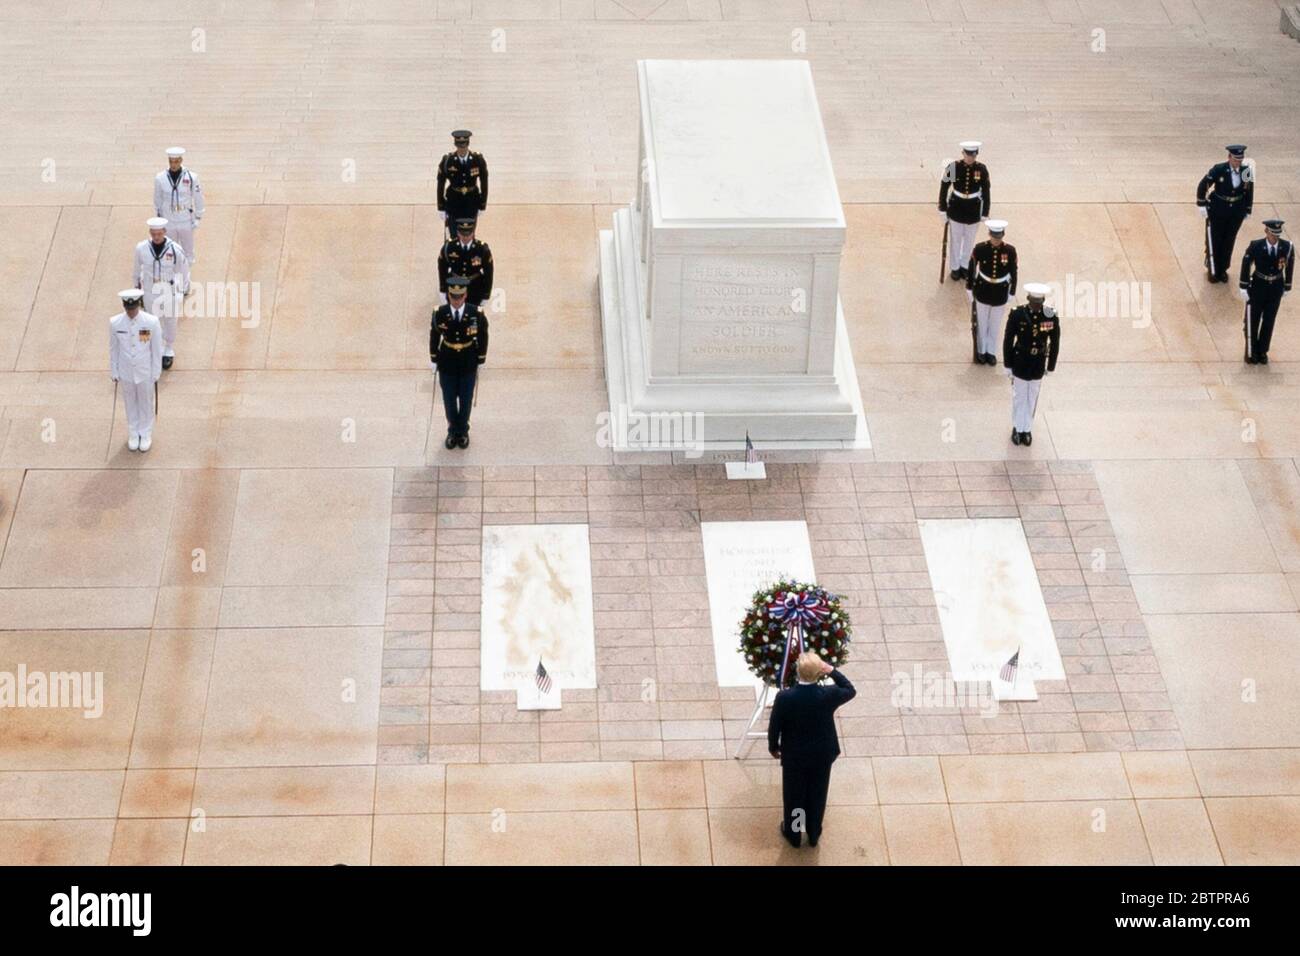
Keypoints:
pixel 763 695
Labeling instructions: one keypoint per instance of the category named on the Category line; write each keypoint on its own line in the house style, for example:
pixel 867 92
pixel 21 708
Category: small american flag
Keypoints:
pixel 751 456
pixel 1008 672
pixel 543 678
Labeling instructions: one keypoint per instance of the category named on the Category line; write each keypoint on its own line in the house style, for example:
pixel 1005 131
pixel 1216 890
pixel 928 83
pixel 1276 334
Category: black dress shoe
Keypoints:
pixel 963 272
pixel 1251 360
pixel 1015 437
pixel 812 840
pixel 450 442
pixel 1026 438
pixel 991 359
pixel 955 274
pixel 167 362
pixel 463 441
pixel 1263 359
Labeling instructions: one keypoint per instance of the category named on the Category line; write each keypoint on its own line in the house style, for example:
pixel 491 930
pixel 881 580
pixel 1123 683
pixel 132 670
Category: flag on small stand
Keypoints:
pixel 1008 672
pixel 751 467
pixel 543 678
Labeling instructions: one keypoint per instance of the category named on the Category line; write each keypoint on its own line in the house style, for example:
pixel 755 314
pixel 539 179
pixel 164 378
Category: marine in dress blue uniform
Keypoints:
pixel 1030 347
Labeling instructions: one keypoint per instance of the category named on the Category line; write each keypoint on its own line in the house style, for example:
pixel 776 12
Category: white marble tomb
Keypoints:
pixel 990 603
pixel 720 281
pixel 537 602
pixel 739 558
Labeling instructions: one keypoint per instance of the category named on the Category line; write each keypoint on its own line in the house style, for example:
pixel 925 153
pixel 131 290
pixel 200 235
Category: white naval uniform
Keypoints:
pixel 1024 402
pixel 181 205
pixel 988 320
pixel 135 362
pixel 961 243
pixel 163 279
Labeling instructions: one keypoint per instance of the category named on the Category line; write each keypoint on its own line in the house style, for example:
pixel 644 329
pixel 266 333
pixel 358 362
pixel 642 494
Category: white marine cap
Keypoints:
pixel 970 145
pixel 997 225
pixel 175 152
pixel 130 295
pixel 157 222
pixel 1038 290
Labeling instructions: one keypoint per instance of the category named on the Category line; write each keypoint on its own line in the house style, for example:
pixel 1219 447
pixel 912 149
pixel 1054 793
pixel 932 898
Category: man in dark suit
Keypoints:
pixel 801 734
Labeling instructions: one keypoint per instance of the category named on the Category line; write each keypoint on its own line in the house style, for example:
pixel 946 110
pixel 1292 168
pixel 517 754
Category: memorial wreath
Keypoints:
pixel 788 618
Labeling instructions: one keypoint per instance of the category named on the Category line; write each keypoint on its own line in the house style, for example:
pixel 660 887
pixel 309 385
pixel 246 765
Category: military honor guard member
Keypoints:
pixel 458 344
pixel 135 363
pixel 1267 271
pixel 161 269
pixel 462 182
pixel 1030 348
pixel 963 203
pixel 1225 197
pixel 990 283
pixel 466 256
pixel 178 198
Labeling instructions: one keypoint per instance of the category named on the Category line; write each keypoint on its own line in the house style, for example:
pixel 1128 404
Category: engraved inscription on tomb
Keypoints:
pixel 745 313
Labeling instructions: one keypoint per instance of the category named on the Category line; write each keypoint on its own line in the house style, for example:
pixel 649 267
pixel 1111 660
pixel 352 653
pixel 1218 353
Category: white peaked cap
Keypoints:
pixel 970 145
pixel 997 225
pixel 1037 289
pixel 130 294
pixel 157 222
pixel 175 151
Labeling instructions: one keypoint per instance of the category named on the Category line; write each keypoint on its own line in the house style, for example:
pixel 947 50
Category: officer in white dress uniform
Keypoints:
pixel 135 363
pixel 160 268
pixel 178 198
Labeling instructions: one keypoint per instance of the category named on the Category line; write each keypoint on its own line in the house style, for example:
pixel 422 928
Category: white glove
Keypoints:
pixel 984 218
pixel 1245 295
pixel 1007 370
pixel 442 214
pixel 433 366
pixel 480 214
pixel 114 378
pixel 943 213
pixel 1204 211
pixel 442 298
pixel 970 296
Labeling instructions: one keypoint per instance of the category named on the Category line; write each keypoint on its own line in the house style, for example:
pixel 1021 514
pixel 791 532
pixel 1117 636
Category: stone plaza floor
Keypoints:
pixel 298 525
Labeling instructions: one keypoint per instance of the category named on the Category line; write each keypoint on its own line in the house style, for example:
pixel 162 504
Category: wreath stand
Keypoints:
pixel 761 695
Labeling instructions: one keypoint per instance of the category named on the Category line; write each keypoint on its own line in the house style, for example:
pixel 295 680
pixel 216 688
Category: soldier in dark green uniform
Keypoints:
pixel 1267 271
pixel 462 182
pixel 469 257
pixel 458 344
pixel 1029 349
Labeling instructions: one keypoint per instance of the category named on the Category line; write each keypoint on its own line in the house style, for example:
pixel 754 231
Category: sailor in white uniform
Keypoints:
pixel 161 269
pixel 135 363
pixel 178 198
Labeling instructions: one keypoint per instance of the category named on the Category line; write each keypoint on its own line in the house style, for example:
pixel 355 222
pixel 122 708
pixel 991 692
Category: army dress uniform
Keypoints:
pixel 162 272
pixel 1030 348
pixel 964 200
pixel 1225 198
pixel 1267 271
pixel 135 364
pixel 458 344
pixel 462 182
pixel 468 257
pixel 991 281
pixel 178 198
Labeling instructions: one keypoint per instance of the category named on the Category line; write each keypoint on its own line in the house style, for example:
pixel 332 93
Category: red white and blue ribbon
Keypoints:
pixel 795 611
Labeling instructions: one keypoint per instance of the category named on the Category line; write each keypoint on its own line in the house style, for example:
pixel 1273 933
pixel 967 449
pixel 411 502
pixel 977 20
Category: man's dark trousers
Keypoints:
pixel 458 397
pixel 804 788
